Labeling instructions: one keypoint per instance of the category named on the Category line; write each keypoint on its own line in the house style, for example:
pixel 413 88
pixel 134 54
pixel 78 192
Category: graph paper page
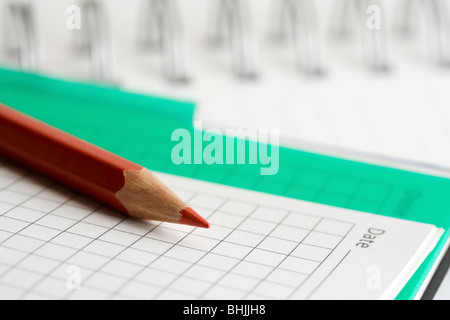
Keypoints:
pixel 56 244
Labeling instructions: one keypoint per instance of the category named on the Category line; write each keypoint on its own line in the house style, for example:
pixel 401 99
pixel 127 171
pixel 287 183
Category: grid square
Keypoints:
pixel 156 277
pixel 5 235
pixel 334 227
pixel 289 233
pixel 299 265
pixel 88 260
pixel 25 214
pixel 56 222
pixel 139 290
pixel 273 290
pixel 39 232
pixel 170 265
pixel 221 293
pixel 55 251
pixel 166 235
pixel 206 201
pixel 237 281
pixel 56 193
pixel 105 218
pixel 238 207
pixel 135 226
pixel 218 232
pixel 244 238
pixel 198 242
pixel 6 181
pixel 311 252
pixel 218 261
pixel 257 226
pixel 252 269
pixel 137 257
pixel 299 220
pixel 189 286
pixel 53 287
pixel 287 278
pixel 232 250
pixel 38 264
pixel 225 219
pixel 87 230
pixel 71 240
pixel 5 207
pixel 106 282
pixel 15 198
pixel 125 269
pixel 185 254
pixel 277 245
pixel 31 186
pixel 23 243
pixel 119 237
pixel 66 269
pixel 204 273
pixel 103 248
pixel 269 214
pixel 265 257
pixel 152 245
pixel 12 225
pixel 71 212
pixel 21 278
pixel 323 240
pixel 43 204
pixel 10 256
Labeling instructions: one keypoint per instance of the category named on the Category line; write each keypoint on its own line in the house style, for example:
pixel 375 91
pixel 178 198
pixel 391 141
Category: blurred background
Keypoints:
pixel 365 75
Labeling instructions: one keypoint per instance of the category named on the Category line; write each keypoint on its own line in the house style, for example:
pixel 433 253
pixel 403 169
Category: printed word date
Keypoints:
pixel 369 238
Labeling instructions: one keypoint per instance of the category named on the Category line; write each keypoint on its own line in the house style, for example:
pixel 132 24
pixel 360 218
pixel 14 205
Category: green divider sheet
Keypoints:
pixel 140 128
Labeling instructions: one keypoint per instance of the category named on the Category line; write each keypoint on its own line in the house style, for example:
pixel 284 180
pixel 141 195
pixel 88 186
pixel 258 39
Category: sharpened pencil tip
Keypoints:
pixel 192 218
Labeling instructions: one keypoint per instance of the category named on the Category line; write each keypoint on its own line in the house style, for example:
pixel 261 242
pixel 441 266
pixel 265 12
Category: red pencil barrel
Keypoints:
pixel 65 158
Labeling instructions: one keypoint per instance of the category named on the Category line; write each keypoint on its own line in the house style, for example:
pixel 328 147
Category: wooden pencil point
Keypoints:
pixel 192 218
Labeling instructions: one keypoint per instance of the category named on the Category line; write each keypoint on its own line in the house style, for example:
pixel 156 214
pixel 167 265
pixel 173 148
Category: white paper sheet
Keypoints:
pixel 55 244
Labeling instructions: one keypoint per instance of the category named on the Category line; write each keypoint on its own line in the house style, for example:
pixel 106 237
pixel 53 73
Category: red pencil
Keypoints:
pixel 95 172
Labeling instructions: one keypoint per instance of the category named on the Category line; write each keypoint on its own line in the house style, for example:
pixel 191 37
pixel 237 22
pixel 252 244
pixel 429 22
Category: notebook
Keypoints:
pixel 58 245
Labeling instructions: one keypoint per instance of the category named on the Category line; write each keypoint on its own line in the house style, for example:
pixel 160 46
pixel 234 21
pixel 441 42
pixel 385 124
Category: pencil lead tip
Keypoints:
pixel 192 218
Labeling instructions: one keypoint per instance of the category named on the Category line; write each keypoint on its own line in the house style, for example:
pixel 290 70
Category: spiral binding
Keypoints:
pixel 437 15
pixel 231 25
pixel 20 43
pixel 162 29
pixel 93 40
pixel 232 19
pixel 374 41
